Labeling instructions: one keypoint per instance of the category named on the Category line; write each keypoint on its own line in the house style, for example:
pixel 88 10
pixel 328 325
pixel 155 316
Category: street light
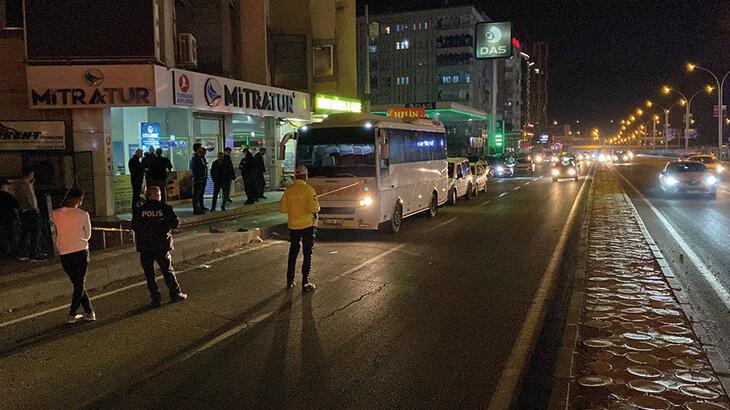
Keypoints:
pixel 666 112
pixel 720 85
pixel 688 115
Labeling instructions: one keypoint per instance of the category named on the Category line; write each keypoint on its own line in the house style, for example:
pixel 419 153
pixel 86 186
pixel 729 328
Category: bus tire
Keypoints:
pixel 396 220
pixel 433 206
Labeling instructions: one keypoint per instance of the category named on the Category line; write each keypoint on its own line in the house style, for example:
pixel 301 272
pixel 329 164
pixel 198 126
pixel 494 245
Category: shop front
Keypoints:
pixel 119 109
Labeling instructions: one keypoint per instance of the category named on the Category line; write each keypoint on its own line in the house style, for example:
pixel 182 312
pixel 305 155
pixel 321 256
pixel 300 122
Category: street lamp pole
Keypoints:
pixel 720 86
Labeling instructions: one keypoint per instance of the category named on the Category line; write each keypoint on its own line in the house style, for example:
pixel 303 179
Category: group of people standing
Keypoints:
pixel 151 166
pixel 20 219
pixel 222 173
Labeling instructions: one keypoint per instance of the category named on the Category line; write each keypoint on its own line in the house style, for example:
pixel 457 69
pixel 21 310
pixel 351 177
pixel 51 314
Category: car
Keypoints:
pixel 461 183
pixel 524 165
pixel 538 157
pixel 688 177
pixel 710 161
pixel 499 167
pixel 620 157
pixel 565 168
pixel 479 176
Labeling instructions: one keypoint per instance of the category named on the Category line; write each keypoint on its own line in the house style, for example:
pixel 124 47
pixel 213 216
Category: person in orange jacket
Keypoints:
pixel 300 204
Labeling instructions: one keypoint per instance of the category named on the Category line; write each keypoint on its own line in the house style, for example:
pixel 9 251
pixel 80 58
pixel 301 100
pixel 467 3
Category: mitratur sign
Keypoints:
pixel 493 40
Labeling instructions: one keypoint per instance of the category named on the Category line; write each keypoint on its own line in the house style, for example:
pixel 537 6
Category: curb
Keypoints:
pixel 717 361
pixel 560 392
pixel 127 268
pixel 220 215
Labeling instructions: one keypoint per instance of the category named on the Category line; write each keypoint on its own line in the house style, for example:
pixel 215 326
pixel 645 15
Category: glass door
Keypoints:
pixel 209 132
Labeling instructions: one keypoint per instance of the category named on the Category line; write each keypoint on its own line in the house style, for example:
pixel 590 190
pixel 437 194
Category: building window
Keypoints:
pixel 323 60
pixel 403 80
pixel 372 49
pixel 455 79
pixel 386 29
pixel 402 45
pixel 467 78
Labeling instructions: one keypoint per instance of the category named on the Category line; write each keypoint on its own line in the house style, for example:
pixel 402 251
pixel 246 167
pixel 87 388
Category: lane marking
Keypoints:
pixel 710 277
pixel 134 285
pixel 369 261
pixel 502 194
pixel 523 346
pixel 516 188
pixel 486 203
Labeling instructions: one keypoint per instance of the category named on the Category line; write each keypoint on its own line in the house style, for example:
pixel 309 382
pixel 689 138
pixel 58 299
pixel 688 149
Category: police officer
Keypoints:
pixel 300 204
pixel 152 224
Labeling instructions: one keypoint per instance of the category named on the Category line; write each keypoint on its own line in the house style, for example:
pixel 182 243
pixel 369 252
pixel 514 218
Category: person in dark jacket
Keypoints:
pixel 9 222
pixel 159 166
pixel 153 223
pixel 200 178
pixel 260 171
pixel 136 172
pixel 219 174
pixel 147 158
pixel 248 175
pixel 230 175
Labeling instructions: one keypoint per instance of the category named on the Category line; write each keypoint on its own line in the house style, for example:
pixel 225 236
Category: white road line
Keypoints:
pixel 516 188
pixel 710 277
pixel 527 183
pixel 523 346
pixel 433 228
pixel 502 194
pixel 486 203
pixel 371 260
pixel 132 286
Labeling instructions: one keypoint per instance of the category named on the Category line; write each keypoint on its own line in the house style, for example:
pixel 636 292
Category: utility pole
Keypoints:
pixel 493 96
pixel 666 129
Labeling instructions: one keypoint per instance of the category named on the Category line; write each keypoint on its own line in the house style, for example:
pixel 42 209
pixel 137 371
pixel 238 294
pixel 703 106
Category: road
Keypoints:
pixel 426 317
pixel 692 233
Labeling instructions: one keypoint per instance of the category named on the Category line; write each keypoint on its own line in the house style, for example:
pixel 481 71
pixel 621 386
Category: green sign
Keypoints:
pixel 493 40
pixel 330 104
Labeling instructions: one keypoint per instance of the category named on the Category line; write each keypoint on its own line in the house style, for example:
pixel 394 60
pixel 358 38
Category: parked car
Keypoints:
pixel 479 176
pixel 565 168
pixel 688 177
pixel 460 179
pixel 524 165
pixel 710 162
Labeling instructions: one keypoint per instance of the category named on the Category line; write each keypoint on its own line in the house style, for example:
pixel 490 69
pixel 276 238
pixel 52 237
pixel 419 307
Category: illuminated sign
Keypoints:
pixel 426 143
pixel 414 112
pixel 493 40
pixel 149 134
pixel 329 103
pixel 498 140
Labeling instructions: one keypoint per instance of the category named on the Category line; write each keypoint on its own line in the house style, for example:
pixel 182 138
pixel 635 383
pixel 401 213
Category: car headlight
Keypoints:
pixel 571 171
pixel 615 158
pixel 500 170
pixel 671 181
pixel 710 180
pixel 720 168
pixel 631 154
pixel 367 201
pixel 555 172
pixel 625 157
pixel 602 158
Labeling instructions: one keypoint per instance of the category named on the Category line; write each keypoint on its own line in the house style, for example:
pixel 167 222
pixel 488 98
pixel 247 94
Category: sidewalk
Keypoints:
pixel 629 341
pixel 26 284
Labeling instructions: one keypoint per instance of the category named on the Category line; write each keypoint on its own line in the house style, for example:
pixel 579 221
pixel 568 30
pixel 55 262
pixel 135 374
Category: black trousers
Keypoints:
pixel 164 261
pixel 261 182
pixel 306 237
pixel 30 221
pixel 75 265
pixel 136 191
pixel 198 192
pixel 251 188
pixel 219 186
pixel 227 191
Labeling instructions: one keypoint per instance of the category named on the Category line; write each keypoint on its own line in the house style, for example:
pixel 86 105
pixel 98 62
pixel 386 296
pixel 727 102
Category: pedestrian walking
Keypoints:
pixel 248 175
pixel 230 175
pixel 219 174
pixel 29 215
pixel 136 172
pixel 200 179
pixel 9 222
pixel 159 166
pixel 300 204
pixel 153 224
pixel 73 230
pixel 260 171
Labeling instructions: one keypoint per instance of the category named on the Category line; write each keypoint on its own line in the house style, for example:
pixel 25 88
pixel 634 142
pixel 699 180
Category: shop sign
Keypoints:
pixel 91 86
pixel 493 40
pixel 328 104
pixel 209 93
pixel 183 93
pixel 417 112
pixel 149 135
pixel 32 135
pixel 426 105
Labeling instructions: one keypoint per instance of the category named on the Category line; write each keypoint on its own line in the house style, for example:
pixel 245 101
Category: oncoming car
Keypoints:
pixel 688 177
pixel 500 168
pixel 710 162
pixel 565 168
pixel 620 157
pixel 524 165
pixel 460 179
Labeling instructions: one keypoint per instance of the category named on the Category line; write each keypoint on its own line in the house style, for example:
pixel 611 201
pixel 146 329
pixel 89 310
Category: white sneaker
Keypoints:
pixel 75 318
pixel 90 317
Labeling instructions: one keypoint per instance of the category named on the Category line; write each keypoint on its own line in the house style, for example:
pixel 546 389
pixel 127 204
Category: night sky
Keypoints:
pixel 608 57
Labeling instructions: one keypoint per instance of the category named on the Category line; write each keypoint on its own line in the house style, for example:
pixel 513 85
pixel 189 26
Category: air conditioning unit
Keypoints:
pixel 188 49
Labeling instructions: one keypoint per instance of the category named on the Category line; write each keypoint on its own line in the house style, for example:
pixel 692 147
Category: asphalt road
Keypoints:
pixel 427 317
pixel 692 233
